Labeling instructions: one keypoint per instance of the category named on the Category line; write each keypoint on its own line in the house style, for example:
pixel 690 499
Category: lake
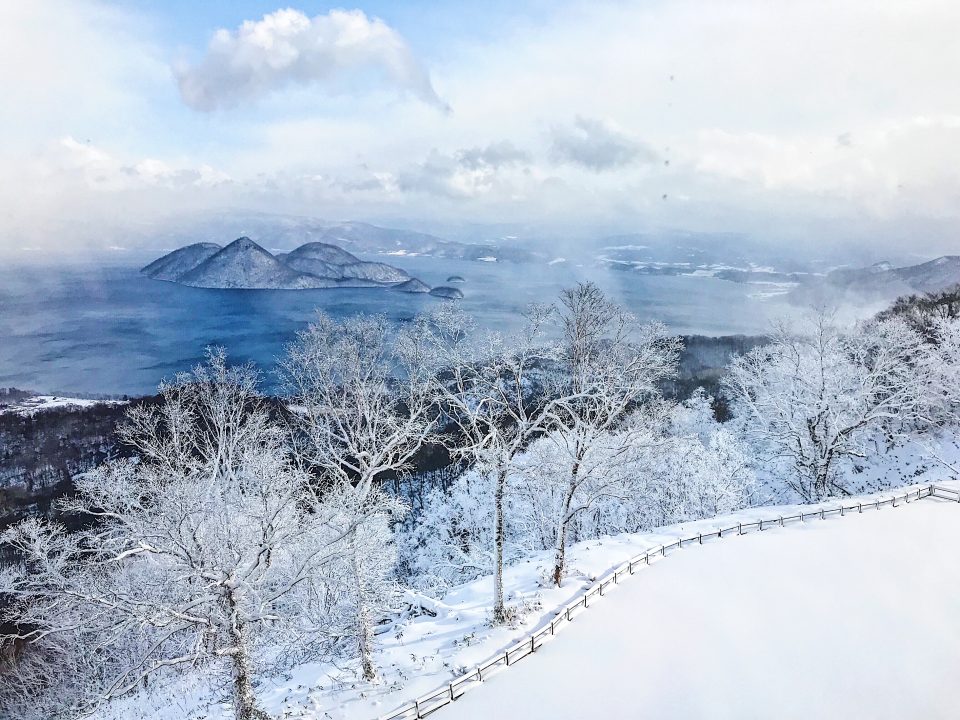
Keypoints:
pixel 107 329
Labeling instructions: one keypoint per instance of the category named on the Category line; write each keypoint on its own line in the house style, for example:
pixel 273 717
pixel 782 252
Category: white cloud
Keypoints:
pixel 467 173
pixel 597 146
pixel 287 47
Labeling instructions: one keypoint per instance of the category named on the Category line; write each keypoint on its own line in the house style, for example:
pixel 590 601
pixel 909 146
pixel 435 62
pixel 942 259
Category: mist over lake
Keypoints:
pixel 106 329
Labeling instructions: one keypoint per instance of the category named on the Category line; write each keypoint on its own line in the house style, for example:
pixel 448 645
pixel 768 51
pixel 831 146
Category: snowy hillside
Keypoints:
pixel 655 623
pixel 743 629
pixel 178 263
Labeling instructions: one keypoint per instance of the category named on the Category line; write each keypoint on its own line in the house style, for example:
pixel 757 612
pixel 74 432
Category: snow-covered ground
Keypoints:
pixel 420 652
pixel 39 403
pixel 851 618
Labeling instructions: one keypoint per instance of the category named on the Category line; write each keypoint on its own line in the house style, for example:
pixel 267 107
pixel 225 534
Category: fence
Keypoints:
pixel 436 699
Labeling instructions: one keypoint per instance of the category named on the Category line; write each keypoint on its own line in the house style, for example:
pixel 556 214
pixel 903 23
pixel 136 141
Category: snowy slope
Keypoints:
pixel 179 262
pixel 379 272
pixel 331 261
pixel 853 618
pixel 419 652
pixel 322 252
pixel 40 403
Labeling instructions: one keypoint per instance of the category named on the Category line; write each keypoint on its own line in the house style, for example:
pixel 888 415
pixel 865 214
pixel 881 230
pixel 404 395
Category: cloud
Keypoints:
pixel 467 173
pixel 495 156
pixel 596 146
pixel 288 48
pixel 893 167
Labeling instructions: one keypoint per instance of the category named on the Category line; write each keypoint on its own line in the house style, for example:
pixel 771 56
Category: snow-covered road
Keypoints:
pixel 846 618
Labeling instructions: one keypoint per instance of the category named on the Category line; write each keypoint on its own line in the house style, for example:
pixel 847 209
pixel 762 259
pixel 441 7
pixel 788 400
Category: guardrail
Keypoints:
pixel 445 694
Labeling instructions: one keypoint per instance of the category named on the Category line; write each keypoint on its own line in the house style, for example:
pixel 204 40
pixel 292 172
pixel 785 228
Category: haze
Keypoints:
pixel 828 123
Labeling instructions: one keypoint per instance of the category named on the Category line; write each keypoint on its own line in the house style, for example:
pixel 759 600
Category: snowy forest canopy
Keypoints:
pixel 245 537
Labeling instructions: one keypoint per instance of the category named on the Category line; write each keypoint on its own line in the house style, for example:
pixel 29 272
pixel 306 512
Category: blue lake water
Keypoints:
pixel 107 329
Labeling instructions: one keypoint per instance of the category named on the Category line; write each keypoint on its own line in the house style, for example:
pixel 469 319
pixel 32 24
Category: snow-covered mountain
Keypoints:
pixel 883 281
pixel 277 231
pixel 180 262
pixel 325 260
pixel 243 264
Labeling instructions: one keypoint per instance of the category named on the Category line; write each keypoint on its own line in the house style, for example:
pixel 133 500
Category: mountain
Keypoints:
pixel 286 231
pixel 450 293
pixel 882 281
pixel 378 272
pixel 412 286
pixel 243 264
pixel 367 238
pixel 180 262
pixel 322 252
pixel 932 276
pixel 327 260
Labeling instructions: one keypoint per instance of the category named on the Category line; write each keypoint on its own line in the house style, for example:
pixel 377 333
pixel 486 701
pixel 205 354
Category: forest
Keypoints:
pixel 215 529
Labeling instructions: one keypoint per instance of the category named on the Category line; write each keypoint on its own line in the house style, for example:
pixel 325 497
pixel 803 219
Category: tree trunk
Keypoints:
pixel 560 556
pixel 499 610
pixel 364 626
pixel 244 698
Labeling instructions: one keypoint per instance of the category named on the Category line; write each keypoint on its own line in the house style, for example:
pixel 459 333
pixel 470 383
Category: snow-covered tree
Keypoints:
pixel 610 365
pixel 210 548
pixel 451 539
pixel 495 391
pixel 702 470
pixel 942 367
pixel 813 396
pixel 363 407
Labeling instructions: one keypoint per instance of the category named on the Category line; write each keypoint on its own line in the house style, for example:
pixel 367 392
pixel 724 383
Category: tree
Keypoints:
pixel 494 391
pixel 942 366
pixel 925 313
pixel 703 470
pixel 214 544
pixel 611 365
pixel 363 408
pixel 813 398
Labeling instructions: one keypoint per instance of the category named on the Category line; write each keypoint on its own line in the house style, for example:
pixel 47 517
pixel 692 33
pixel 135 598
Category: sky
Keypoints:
pixel 822 122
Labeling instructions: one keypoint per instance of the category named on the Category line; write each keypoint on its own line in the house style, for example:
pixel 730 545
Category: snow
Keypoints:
pixel 842 618
pixel 39 403
pixel 418 653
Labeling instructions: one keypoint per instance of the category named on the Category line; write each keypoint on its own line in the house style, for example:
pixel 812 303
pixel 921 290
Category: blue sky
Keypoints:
pixel 827 121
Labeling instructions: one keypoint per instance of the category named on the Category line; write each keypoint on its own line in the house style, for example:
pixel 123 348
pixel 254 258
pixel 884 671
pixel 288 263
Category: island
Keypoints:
pixel 245 265
pixel 450 293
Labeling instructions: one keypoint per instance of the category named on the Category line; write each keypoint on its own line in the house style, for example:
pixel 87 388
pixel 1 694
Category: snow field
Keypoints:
pixel 851 619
